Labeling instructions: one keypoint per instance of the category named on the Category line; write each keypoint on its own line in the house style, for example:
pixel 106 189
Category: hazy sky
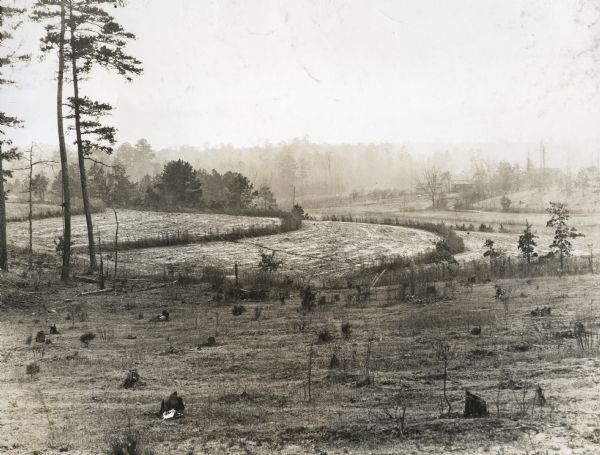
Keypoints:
pixel 246 71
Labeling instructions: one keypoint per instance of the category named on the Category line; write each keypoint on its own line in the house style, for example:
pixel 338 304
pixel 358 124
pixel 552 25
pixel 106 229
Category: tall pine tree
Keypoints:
pixel 95 39
pixel 10 20
pixel 53 14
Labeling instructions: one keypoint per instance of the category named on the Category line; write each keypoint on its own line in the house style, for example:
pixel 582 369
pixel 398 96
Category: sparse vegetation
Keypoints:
pixel 86 338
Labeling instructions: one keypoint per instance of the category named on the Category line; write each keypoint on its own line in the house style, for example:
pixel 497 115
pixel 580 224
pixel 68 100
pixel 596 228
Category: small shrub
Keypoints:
pixel 76 312
pixel 86 338
pixel 505 203
pixel 128 443
pixel 32 369
pixel 324 336
pixel 214 276
pixel 268 263
pixel 257 313
pixel 237 310
pixel 308 298
pixel 334 362
pixel 346 329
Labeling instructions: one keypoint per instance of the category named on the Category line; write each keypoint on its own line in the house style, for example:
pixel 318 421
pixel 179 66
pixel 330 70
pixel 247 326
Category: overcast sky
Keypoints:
pixel 247 71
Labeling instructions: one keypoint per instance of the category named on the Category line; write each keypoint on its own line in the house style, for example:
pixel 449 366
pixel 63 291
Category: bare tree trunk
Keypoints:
pixel 80 153
pixel 101 269
pixel 561 259
pixel 66 253
pixel 30 207
pixel 309 376
pixel 3 240
pixel 116 250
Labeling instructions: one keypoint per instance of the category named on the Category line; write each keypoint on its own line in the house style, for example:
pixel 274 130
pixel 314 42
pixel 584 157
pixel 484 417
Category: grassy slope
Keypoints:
pixel 266 358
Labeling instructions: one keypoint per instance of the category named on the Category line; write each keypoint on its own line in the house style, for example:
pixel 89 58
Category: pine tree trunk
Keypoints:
pixel 80 154
pixel 66 253
pixel 30 217
pixel 3 242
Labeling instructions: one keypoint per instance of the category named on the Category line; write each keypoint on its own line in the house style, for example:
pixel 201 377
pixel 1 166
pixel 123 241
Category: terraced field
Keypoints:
pixel 19 210
pixel 319 248
pixel 133 224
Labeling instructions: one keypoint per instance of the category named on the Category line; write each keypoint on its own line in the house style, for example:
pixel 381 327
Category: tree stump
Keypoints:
pixel 40 337
pixel 475 406
pixel 132 380
pixel 173 402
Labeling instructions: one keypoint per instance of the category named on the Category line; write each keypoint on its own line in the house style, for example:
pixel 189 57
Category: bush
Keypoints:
pixel 324 336
pixel 86 338
pixel 32 369
pixel 128 443
pixel 268 263
pixel 237 310
pixel 505 203
pixel 346 329
pixel 308 298
pixel 214 276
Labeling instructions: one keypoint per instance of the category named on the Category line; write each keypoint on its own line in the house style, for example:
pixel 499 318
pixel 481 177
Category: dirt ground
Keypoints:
pixel 247 393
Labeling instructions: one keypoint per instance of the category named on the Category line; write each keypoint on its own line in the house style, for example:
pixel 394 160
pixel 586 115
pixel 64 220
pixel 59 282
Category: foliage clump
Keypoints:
pixel 309 297
pixel 559 220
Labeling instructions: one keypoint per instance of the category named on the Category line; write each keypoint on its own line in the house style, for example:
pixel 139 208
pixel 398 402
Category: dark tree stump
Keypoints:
pixel 132 380
pixel 475 406
pixel 173 402
pixel 40 337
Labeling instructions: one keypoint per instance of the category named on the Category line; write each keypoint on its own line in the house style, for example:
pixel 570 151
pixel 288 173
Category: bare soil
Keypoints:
pixel 247 393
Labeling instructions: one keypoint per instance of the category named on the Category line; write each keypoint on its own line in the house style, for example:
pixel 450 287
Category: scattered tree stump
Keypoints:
pixel 173 402
pixel 545 311
pixel 475 406
pixel 132 380
pixel 164 316
pixel 237 310
pixel 40 337
pixel 54 330
pixel 476 330
pixel 86 338
pixel 32 369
